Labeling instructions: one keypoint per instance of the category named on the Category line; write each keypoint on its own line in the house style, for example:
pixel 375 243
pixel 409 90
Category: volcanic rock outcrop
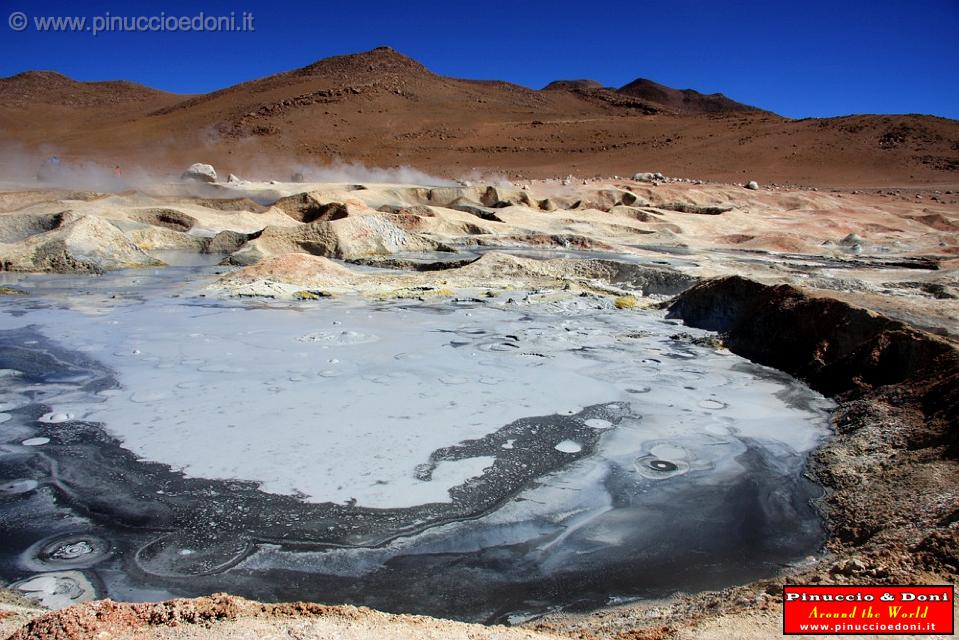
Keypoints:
pixel 78 243
pixel 892 466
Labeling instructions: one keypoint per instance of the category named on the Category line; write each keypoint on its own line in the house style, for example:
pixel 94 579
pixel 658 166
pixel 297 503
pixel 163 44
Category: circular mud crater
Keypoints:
pixel 183 555
pixel 18 486
pixel 67 551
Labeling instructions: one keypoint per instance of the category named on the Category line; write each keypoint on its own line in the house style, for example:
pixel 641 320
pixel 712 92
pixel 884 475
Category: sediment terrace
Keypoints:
pixel 889 470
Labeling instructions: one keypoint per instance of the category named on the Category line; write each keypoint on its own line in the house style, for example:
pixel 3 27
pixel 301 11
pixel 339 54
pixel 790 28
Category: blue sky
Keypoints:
pixel 799 59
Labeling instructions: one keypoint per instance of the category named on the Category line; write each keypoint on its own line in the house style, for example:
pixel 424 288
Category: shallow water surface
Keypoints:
pixel 481 461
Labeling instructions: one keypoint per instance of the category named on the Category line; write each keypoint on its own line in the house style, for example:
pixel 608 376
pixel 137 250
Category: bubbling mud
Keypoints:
pixel 483 461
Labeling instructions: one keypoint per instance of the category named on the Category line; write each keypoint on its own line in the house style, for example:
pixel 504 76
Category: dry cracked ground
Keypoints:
pixel 856 293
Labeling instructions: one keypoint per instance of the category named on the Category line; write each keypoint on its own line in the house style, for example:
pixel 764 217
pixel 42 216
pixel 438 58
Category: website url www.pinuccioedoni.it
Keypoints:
pixel 108 23
pixel 869 627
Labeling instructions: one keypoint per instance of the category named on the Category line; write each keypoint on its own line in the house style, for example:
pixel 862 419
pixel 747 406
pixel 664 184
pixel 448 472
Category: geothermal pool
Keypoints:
pixel 481 460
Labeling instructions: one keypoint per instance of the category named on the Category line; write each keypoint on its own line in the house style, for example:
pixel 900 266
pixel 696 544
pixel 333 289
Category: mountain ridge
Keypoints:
pixel 382 108
pixel 381 62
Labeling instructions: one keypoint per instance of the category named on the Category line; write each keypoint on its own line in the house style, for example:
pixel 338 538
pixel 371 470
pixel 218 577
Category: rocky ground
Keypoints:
pixel 894 252
pixel 855 293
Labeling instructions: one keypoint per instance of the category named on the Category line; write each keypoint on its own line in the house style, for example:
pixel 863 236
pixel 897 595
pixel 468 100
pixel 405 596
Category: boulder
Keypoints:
pixel 647 176
pixel 200 172
pixel 753 185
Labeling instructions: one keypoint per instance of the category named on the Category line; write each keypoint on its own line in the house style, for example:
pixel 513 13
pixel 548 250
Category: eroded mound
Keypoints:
pixel 79 243
pixel 307 207
pixel 647 280
pixel 166 218
pixel 17 227
pixel 293 268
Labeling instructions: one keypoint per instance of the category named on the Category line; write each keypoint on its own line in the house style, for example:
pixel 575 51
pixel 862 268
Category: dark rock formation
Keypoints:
pixel 892 468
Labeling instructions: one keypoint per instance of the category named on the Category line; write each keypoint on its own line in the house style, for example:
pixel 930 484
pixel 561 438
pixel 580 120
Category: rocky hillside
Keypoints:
pixel 384 109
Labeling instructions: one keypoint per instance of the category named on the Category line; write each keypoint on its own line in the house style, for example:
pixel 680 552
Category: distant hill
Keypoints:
pixel 684 100
pixel 382 108
pixel 569 85
pixel 51 88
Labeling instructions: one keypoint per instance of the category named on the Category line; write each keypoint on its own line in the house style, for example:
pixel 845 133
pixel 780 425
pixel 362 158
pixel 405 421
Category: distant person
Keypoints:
pixel 117 171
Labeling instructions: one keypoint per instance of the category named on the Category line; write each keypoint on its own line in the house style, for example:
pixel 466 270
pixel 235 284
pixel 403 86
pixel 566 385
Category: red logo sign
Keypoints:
pixel 902 610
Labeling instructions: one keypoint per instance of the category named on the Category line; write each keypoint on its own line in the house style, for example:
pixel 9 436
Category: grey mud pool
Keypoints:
pixel 486 461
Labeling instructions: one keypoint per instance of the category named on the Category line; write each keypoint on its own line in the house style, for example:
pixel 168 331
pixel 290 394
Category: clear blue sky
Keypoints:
pixel 799 58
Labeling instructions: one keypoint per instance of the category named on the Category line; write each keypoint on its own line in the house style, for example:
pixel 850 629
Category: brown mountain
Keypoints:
pixel 572 85
pixel 684 100
pixel 384 109
pixel 46 107
pixel 658 97
pixel 32 88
